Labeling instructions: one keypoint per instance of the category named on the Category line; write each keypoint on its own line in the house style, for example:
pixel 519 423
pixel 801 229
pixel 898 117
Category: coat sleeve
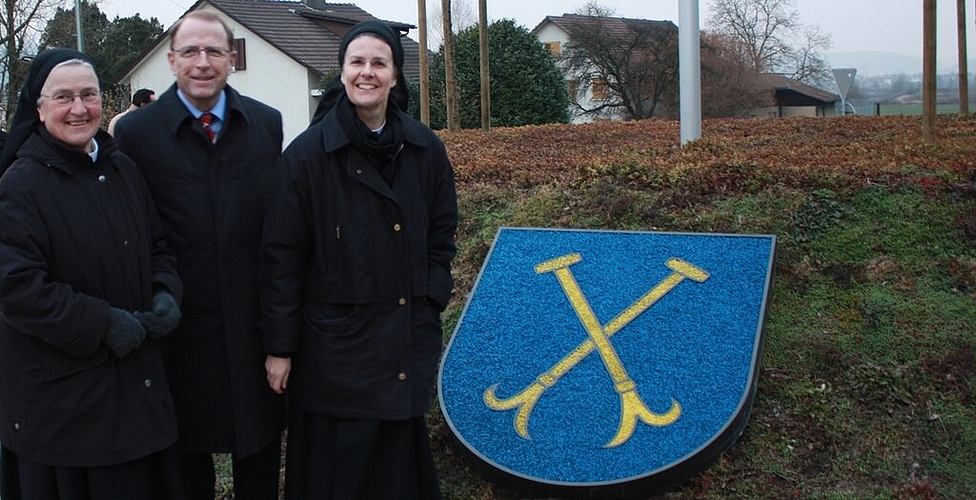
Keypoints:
pixel 31 303
pixel 441 230
pixel 284 259
pixel 164 268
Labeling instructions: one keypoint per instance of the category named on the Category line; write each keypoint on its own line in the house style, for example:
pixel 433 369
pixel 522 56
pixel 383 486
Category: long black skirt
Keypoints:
pixel 155 477
pixel 349 459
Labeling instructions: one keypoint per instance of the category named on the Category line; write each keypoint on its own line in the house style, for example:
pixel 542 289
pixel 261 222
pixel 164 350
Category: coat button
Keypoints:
pixel 125 243
pixel 17 424
pixel 402 301
pixel 148 382
pixel 101 178
pixel 402 376
pixel 359 171
pixel 396 227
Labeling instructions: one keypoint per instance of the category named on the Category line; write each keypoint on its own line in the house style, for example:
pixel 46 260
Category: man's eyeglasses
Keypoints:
pixel 215 53
pixel 67 98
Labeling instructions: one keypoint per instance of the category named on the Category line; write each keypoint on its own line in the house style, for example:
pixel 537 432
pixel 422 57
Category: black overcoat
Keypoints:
pixel 210 198
pixel 77 237
pixel 356 272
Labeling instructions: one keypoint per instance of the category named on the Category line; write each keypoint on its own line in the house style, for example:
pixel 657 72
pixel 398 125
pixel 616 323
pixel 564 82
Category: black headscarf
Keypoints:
pixel 26 118
pixel 399 95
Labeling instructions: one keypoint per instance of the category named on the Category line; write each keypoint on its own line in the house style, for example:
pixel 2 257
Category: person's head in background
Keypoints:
pixel 142 97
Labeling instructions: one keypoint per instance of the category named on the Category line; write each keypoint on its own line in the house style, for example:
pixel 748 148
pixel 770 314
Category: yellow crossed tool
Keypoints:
pixel 632 407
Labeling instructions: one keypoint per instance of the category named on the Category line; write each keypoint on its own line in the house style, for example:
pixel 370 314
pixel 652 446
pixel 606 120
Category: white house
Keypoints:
pixel 555 33
pixel 284 49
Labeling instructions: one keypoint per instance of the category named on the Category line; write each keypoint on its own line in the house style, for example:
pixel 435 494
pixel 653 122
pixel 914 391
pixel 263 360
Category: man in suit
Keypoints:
pixel 207 153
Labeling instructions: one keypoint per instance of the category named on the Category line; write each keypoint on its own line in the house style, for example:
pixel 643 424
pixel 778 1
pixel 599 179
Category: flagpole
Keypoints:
pixel 689 62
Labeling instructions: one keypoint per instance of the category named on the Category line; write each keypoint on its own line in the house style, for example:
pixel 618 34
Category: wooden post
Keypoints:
pixel 450 75
pixel 485 76
pixel 963 62
pixel 424 63
pixel 928 70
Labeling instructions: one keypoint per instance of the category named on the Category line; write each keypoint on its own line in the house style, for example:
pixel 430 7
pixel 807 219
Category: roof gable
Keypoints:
pixel 616 27
pixel 309 36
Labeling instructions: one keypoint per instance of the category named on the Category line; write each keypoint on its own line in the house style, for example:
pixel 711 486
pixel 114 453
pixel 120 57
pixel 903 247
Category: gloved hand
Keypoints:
pixel 163 318
pixel 124 334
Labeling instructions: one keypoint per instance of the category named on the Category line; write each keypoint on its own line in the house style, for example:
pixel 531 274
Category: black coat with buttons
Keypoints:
pixel 356 272
pixel 77 237
pixel 210 198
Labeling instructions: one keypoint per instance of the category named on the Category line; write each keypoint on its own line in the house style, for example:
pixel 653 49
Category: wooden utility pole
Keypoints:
pixel 450 75
pixel 928 70
pixel 485 77
pixel 424 63
pixel 963 62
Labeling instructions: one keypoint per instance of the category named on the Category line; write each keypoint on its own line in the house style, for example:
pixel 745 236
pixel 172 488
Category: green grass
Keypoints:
pixel 914 109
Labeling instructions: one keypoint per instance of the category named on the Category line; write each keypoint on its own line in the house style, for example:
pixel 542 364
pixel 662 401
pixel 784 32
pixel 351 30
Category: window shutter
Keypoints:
pixel 241 48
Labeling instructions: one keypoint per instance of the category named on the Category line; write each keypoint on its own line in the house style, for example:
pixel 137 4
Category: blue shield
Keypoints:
pixel 606 363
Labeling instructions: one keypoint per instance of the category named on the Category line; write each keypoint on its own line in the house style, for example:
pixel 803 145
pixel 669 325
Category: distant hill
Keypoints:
pixel 873 63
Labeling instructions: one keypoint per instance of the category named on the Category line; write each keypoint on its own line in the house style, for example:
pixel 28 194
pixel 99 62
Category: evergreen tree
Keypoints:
pixel 526 85
pixel 113 45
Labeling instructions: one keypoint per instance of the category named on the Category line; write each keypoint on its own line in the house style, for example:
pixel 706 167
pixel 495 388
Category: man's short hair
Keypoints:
pixel 142 97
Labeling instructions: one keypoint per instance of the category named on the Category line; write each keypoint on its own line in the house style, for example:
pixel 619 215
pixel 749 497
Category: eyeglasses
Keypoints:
pixel 215 53
pixel 91 96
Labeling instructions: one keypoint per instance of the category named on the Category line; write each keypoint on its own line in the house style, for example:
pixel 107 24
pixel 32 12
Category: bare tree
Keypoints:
pixel 773 37
pixel 21 24
pixel 462 17
pixel 729 83
pixel 624 66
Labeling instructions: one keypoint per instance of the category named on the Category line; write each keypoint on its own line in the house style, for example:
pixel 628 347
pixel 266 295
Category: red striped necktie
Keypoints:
pixel 206 119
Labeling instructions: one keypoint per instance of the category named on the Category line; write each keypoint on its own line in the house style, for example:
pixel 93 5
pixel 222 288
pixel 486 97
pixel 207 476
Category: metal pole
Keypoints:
pixel 78 28
pixel 689 62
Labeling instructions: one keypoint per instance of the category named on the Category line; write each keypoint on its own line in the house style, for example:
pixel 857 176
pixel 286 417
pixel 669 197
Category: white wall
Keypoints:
pixel 548 32
pixel 270 77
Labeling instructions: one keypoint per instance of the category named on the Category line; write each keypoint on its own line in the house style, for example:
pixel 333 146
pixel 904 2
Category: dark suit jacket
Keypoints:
pixel 210 198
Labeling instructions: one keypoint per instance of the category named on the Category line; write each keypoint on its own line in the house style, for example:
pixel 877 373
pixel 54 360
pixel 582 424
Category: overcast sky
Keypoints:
pixel 854 25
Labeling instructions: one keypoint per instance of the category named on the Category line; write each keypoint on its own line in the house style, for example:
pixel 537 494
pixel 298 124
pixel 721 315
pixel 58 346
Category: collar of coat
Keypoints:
pixel 35 149
pixel 175 113
pixel 334 136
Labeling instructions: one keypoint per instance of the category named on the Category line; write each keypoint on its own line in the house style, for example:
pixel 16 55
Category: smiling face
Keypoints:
pixel 368 74
pixel 201 77
pixel 74 122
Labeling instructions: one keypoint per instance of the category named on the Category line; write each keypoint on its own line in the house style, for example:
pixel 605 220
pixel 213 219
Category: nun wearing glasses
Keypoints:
pixel 87 289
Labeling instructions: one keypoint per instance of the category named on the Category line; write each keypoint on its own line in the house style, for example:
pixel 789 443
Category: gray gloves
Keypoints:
pixel 124 334
pixel 163 318
pixel 126 330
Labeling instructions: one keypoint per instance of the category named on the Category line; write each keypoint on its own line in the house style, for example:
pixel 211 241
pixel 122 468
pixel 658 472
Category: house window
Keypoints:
pixel 572 86
pixel 554 48
pixel 241 48
pixel 599 90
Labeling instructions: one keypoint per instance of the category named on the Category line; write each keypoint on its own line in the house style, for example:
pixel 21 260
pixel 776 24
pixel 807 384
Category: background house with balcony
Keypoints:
pixel 284 51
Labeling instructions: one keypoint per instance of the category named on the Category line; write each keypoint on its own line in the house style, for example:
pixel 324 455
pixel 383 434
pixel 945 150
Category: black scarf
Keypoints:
pixel 380 149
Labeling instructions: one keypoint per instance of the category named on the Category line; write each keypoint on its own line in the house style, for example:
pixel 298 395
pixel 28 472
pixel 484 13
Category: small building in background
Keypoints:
pixel 789 97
